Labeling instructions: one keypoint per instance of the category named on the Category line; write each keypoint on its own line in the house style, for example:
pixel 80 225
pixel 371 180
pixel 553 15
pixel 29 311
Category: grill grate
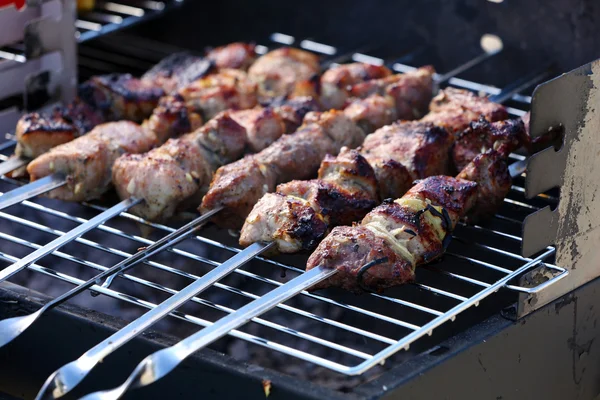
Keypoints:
pixel 108 16
pixel 341 332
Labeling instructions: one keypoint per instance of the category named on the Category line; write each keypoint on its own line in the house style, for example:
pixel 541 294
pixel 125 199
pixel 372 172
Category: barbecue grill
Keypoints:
pixel 486 321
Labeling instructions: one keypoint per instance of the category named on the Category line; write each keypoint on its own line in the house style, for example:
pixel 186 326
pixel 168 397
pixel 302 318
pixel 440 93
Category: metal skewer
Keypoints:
pixel 68 376
pixel 10 328
pixel 11 164
pixel 159 364
pixel 64 377
pixel 66 238
pixel 32 189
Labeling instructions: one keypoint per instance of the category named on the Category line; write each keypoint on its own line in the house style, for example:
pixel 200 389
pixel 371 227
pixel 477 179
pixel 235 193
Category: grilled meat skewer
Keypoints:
pixel 300 213
pixel 87 160
pixel 185 112
pixel 178 173
pixel 396 237
pixel 114 97
pixel 238 186
pixel 454 109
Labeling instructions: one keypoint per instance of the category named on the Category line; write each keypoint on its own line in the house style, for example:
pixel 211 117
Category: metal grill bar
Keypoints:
pixel 111 16
pixel 182 316
pixel 419 316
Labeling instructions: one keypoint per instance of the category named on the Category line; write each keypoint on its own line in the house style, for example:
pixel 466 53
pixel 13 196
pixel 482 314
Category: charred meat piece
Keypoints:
pixel 300 213
pixel 292 111
pixel 263 126
pixel 121 96
pixel 87 161
pixel 336 81
pixel 405 151
pixel 411 92
pixel 284 72
pixel 234 55
pixel 175 172
pixel 454 109
pixel 491 173
pixel 240 185
pixel 229 89
pixel 177 70
pixel 372 112
pixel 181 69
pixel 172 118
pixel 394 238
pixel 36 133
pixel 481 136
pixel 288 221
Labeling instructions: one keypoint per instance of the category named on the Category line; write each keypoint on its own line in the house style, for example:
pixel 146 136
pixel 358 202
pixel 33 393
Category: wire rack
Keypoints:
pixel 340 332
pixel 109 16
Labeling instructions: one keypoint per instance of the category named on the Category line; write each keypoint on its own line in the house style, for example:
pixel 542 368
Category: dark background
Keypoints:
pixel 446 33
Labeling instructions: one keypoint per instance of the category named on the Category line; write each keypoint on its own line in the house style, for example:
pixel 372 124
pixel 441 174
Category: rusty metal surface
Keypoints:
pixel 573 102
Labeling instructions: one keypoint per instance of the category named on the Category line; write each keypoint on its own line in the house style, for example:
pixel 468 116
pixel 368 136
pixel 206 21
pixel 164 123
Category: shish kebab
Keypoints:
pixel 117 97
pixel 221 139
pixel 317 124
pixel 238 186
pixel 175 114
pixel 68 380
pixel 300 213
pixel 296 155
pixel 87 161
pixel 451 198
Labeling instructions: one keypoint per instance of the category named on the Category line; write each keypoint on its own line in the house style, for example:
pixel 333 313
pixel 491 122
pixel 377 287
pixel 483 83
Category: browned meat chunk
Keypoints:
pixel 292 111
pixel 177 171
pixel 336 81
pixel 228 89
pixel 490 171
pixel 177 70
pixel 481 136
pixel 121 96
pixel 36 133
pixel 172 118
pixel 263 126
pixel 455 109
pixel 372 112
pixel 283 72
pixel 405 151
pixel 411 92
pixel 87 161
pixel 234 55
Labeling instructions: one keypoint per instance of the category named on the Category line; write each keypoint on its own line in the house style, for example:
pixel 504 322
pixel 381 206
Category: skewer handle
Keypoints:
pixel 161 363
